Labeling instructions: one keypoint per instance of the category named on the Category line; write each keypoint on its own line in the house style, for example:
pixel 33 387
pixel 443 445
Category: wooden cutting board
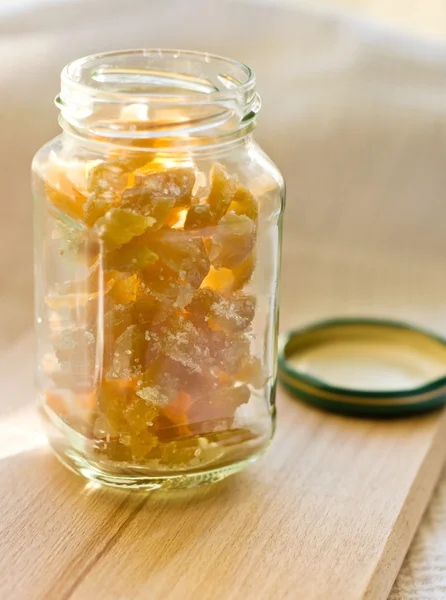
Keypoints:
pixel 327 514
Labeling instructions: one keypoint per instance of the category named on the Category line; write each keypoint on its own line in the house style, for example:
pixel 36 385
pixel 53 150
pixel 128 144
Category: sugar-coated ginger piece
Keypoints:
pixel 233 241
pixel 230 313
pixel 223 188
pixel 98 204
pixel 143 201
pixel 244 203
pixel 66 198
pixel 120 225
pixel 187 256
pixel 175 184
pixel 125 290
pixel 112 175
pixel 163 283
pixel 198 216
pixel 130 257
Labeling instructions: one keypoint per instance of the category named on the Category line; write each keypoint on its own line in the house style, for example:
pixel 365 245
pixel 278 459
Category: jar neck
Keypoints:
pixel 158 100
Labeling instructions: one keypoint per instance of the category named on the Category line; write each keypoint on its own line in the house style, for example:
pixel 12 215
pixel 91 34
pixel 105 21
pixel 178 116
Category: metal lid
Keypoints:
pixel 364 367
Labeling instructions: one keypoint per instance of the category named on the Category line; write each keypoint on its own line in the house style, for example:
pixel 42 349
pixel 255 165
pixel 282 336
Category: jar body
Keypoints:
pixel 156 309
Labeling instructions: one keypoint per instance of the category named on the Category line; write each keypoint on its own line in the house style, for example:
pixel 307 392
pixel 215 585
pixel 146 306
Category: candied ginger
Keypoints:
pixel 233 241
pixel 120 225
pixel 167 310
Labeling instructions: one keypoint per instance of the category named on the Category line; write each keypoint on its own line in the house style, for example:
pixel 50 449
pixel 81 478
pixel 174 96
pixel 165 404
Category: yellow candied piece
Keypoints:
pixel 140 444
pixel 227 280
pixel 120 225
pixel 125 290
pixel 130 257
pixel 223 188
pixel 233 241
pixel 221 280
pixel 187 256
pixel 232 314
pixel 244 203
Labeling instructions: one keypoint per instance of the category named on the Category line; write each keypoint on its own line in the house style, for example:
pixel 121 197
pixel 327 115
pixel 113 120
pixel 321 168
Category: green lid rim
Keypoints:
pixel 372 403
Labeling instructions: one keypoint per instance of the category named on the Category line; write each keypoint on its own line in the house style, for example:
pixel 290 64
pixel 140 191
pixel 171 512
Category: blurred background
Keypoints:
pixel 354 102
pixel 354 114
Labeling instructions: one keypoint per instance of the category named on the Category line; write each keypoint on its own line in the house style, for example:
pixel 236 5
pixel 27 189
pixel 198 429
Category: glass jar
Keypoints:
pixel 157 233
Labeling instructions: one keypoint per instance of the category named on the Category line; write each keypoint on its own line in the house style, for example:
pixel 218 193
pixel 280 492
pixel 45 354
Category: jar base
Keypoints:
pixel 146 482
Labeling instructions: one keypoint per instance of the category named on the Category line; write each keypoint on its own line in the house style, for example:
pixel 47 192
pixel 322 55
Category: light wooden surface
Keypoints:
pixel 357 125
pixel 328 513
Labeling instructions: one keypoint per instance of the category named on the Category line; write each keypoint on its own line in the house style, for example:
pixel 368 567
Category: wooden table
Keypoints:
pixel 357 126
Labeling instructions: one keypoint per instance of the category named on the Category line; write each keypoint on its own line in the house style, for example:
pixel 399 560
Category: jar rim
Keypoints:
pixel 151 93
pixel 71 76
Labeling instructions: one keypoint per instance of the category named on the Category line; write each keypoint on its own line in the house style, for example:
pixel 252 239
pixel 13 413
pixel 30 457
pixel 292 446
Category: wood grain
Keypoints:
pixel 357 126
pixel 327 513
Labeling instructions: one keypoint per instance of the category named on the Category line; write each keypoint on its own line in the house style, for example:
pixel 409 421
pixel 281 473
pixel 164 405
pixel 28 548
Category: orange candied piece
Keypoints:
pixel 125 290
pixel 233 241
pixel 222 192
pixel 162 283
pixel 66 198
pixel 175 183
pixel 182 253
pixel 220 405
pixel 130 257
pixel 120 225
pixel 198 217
pixel 57 403
pixel 176 413
pixel 244 203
